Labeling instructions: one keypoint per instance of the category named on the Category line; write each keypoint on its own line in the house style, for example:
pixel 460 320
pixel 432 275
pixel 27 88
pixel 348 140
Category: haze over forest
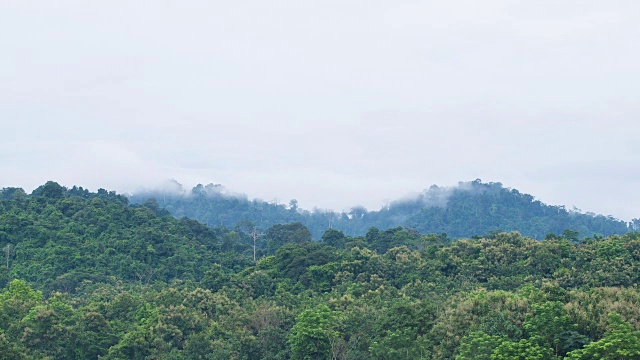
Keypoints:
pixel 470 208
pixel 334 104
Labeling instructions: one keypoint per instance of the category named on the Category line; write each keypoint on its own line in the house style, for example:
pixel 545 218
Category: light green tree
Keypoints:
pixel 313 333
pixel 478 346
pixel 522 350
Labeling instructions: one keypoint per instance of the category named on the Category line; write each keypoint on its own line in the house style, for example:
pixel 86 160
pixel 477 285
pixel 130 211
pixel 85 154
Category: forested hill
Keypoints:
pixel 86 276
pixel 469 209
pixel 58 238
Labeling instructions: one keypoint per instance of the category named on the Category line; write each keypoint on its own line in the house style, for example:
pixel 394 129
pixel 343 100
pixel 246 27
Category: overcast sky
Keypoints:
pixel 334 103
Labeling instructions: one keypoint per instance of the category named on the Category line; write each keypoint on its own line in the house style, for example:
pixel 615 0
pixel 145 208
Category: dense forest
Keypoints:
pixel 469 209
pixel 87 275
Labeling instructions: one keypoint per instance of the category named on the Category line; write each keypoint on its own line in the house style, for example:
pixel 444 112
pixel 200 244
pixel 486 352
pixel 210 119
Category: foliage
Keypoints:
pixel 620 342
pixel 313 333
pixel 88 276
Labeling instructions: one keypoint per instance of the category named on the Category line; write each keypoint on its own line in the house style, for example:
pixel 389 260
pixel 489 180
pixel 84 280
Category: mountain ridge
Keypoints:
pixel 469 209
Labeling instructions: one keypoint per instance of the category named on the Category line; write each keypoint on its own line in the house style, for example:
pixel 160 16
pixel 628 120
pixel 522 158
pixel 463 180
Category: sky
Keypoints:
pixel 333 103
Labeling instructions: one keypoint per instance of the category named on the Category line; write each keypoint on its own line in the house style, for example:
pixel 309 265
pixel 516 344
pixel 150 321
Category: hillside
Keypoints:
pixel 88 276
pixel 469 209
pixel 60 237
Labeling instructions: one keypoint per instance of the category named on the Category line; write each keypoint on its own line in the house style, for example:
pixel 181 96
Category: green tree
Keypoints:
pixel 522 350
pixel 50 189
pixel 478 346
pixel 550 325
pixel 281 234
pixel 313 333
pixel 619 342
pixel 400 344
pixel 94 336
pixel 335 238
pixel 10 350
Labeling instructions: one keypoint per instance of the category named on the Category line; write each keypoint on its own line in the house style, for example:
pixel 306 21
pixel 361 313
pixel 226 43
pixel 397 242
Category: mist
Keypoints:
pixel 331 103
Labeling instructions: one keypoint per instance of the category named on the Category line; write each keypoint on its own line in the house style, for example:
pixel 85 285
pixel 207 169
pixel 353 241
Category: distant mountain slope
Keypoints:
pixel 214 206
pixel 469 209
pixel 474 208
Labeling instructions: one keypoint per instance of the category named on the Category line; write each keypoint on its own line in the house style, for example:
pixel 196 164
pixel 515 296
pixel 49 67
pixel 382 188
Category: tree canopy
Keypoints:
pixel 87 276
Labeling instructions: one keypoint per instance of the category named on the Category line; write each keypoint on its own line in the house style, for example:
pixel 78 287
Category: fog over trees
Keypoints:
pixel 469 209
